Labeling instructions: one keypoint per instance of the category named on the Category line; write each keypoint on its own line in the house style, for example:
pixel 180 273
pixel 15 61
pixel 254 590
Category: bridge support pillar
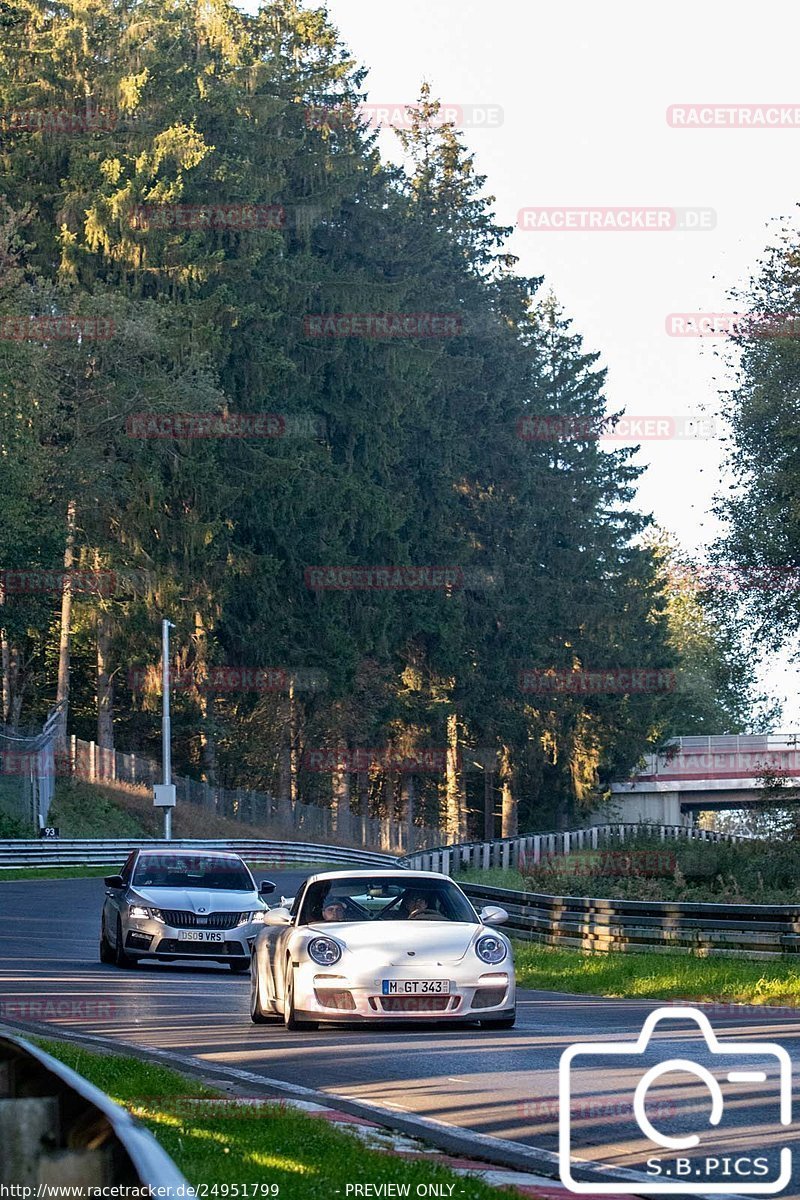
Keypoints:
pixel 660 808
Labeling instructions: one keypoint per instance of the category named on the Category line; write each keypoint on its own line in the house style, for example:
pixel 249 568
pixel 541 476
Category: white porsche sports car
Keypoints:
pixel 382 945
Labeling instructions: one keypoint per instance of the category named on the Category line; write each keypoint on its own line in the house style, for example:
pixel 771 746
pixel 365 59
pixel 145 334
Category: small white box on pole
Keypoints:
pixel 164 795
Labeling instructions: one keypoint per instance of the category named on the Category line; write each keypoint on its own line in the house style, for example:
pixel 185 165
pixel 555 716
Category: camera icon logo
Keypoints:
pixel 706 1172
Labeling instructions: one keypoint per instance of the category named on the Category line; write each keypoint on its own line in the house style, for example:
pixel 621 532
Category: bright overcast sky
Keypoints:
pixel 584 90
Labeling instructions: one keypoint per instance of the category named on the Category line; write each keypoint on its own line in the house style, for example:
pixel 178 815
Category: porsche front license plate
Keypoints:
pixel 199 935
pixel 415 987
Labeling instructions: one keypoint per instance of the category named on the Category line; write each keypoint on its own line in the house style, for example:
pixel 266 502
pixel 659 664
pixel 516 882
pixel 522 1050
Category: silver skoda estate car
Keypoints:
pixel 177 904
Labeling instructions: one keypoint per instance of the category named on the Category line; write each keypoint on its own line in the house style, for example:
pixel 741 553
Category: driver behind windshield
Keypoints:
pixel 414 905
pixel 383 899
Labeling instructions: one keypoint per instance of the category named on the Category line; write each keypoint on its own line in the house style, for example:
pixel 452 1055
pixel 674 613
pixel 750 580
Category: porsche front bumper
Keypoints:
pixel 327 995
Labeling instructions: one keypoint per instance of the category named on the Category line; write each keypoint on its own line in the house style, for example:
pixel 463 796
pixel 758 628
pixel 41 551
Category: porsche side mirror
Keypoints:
pixel 493 914
pixel 267 887
pixel 278 916
pixel 114 881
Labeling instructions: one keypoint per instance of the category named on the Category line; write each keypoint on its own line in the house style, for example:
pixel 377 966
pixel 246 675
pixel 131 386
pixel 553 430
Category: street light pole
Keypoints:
pixel 166 742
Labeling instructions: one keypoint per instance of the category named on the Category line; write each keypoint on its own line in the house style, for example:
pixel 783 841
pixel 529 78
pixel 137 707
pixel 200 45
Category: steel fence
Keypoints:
pixel 519 853
pixel 27 773
pixel 280 817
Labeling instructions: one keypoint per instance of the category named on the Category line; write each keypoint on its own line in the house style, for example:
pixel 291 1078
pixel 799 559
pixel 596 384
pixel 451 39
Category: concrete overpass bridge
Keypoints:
pixel 696 774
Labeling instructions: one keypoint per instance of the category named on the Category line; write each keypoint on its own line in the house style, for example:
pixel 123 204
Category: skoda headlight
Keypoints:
pixel 259 917
pixel 140 913
pixel 324 950
pixel 490 948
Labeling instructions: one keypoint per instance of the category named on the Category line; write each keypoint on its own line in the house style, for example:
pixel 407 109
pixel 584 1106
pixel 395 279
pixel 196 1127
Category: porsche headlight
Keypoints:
pixel 324 950
pixel 140 913
pixel 490 948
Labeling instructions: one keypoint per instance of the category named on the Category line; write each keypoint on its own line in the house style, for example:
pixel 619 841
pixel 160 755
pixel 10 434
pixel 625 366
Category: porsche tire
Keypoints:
pixel 257 1013
pixel 290 1019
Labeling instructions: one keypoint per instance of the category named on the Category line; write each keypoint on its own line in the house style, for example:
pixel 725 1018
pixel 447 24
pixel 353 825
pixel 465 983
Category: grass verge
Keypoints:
pixel 500 877
pixel 8 874
pixel 225 1141
pixel 659 976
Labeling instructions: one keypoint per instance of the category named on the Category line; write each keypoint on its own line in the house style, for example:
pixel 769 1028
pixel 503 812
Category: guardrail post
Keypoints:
pixel 506 855
pixel 26 1125
pixel 445 867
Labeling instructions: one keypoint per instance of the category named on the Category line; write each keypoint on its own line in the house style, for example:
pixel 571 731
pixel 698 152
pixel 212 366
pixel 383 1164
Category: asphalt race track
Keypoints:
pixel 502 1083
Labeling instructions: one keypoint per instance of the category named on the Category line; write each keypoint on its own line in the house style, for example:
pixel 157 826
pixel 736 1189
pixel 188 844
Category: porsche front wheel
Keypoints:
pixel 257 1013
pixel 289 1018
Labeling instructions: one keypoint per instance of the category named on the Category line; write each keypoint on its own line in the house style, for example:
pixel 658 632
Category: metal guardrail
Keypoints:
pixel 81 852
pixel 580 922
pixel 587 923
pixel 57 1129
pixel 520 852
pixel 584 923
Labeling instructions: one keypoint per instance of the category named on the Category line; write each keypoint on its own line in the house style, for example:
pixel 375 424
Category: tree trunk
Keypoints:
pixel 488 804
pixel 15 688
pixel 62 691
pixel 407 793
pixel 105 686
pixel 455 807
pixel 294 791
pixel 362 788
pixel 285 757
pixel 5 671
pixel 510 819
pixel 340 786
pixel 205 703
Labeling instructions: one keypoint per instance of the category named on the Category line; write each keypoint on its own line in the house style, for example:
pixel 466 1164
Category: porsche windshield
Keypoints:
pixel 384 899
pixel 186 871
